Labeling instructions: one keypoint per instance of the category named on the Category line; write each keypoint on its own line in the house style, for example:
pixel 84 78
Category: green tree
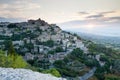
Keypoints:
pixel 59 49
pixel 11 50
pixel 12 25
pixel 49 43
pixel 77 52
pixel 51 52
pixel 91 63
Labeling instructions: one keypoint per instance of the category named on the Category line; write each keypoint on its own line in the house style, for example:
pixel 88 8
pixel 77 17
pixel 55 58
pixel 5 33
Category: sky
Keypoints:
pixel 57 11
pixel 84 13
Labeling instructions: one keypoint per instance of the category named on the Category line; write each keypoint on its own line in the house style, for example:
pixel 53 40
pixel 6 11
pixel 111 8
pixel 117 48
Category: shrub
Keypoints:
pixel 53 71
pixel 19 62
pixel 12 61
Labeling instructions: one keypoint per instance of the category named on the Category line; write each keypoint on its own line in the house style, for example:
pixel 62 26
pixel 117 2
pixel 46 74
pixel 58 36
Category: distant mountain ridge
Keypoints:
pixel 112 40
pixel 104 29
pixel 4 19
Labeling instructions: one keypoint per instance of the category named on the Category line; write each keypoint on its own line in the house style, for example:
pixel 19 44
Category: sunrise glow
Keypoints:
pixel 90 25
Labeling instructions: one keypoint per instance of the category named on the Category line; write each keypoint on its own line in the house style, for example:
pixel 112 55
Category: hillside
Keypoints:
pixel 37 36
pixel 48 49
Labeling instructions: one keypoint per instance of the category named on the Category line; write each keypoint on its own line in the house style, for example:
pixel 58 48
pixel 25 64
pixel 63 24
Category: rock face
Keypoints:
pixel 24 74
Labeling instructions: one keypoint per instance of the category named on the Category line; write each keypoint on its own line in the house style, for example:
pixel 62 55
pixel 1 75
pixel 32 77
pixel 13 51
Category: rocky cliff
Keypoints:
pixel 24 74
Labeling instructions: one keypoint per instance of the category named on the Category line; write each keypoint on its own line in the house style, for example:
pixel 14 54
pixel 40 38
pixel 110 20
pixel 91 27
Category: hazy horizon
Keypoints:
pixel 112 30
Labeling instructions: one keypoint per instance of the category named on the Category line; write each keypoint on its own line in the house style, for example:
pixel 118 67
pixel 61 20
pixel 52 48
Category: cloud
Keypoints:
pixel 18 8
pixel 114 19
pixel 95 16
pixel 17 5
pixel 83 13
pixel 100 14
pixel 103 17
pixel 107 12
pixel 118 17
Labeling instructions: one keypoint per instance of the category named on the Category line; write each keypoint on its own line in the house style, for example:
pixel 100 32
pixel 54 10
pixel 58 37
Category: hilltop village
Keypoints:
pixel 36 38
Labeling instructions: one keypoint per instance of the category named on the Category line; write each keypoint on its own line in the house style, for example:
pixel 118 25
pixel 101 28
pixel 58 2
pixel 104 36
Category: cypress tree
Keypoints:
pixel 11 50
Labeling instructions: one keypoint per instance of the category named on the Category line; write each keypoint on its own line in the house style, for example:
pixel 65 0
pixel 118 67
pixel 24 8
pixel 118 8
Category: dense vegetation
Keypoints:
pixel 11 58
pixel 111 57
pixel 72 65
pixel 112 77
pixel 101 49
pixel 67 67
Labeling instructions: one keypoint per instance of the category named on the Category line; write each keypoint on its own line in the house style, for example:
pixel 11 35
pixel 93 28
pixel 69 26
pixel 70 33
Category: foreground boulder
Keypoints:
pixel 24 74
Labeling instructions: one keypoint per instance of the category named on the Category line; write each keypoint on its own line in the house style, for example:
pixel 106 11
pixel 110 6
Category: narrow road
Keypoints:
pixel 89 74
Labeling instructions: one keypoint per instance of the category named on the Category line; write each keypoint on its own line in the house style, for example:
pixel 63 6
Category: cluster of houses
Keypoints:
pixel 41 32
